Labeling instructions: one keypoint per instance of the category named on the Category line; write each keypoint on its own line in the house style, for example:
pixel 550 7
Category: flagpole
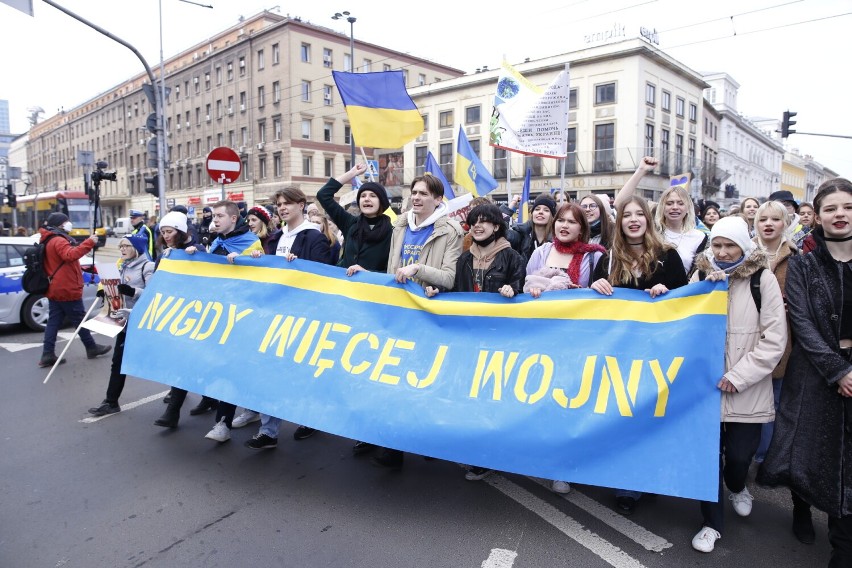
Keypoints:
pixel 565 139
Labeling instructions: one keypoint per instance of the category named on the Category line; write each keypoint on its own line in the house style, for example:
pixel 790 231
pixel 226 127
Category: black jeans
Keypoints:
pixel 738 443
pixel 226 410
pixel 116 378
pixel 840 538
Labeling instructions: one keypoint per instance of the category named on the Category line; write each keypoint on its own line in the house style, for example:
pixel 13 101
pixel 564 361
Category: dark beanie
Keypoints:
pixel 547 201
pixel 56 219
pixel 380 192
pixel 180 209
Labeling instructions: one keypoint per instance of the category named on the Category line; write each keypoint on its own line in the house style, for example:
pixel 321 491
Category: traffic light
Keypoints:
pixel 10 196
pixel 786 123
pixel 152 186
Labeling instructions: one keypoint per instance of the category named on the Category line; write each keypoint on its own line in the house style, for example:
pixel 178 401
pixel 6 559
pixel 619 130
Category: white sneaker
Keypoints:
pixel 560 487
pixel 705 540
pixel 742 502
pixel 220 432
pixel 246 418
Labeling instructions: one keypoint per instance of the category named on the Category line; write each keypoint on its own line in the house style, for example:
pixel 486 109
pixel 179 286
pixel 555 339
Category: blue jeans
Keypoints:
pixel 269 425
pixel 769 427
pixel 74 311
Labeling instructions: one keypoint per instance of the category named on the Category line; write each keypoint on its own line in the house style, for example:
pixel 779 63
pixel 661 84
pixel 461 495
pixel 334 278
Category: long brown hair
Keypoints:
pixel 623 256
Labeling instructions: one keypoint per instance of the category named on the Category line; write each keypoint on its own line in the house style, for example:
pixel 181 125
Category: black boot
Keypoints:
pixel 170 417
pixel 391 459
pixel 803 525
pixel 207 404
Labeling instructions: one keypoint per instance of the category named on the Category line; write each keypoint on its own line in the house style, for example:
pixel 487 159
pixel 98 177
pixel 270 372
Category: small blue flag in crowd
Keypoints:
pixel 471 173
pixel 432 167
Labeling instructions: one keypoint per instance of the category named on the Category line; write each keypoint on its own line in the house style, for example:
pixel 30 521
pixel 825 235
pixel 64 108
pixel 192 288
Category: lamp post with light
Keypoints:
pixel 351 19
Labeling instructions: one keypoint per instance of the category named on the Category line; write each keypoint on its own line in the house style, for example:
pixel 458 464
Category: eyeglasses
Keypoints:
pixel 125 246
pixel 589 206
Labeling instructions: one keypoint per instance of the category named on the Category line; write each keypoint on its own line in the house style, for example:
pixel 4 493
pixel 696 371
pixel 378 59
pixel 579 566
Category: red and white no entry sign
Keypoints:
pixel 224 165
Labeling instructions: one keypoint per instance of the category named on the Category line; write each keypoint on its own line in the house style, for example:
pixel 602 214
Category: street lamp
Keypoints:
pixel 351 19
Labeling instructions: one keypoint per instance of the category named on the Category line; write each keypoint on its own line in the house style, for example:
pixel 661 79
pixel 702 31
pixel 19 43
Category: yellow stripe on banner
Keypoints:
pixel 663 311
pixel 384 128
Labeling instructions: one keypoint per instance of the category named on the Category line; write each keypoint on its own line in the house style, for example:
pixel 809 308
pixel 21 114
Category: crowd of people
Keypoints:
pixel 788 351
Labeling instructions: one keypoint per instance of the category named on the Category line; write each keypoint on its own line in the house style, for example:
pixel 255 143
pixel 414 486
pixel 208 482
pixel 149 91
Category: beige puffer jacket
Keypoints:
pixel 439 255
pixel 754 342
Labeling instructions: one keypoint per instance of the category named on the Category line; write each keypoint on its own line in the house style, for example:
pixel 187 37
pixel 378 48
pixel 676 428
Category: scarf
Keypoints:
pixel 483 256
pixel 578 249
pixel 595 228
pixel 363 234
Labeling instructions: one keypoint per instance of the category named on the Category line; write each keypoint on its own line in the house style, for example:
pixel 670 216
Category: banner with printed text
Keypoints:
pixel 611 391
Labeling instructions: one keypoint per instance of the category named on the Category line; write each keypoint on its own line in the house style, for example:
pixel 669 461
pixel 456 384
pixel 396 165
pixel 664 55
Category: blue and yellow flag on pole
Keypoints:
pixel 381 113
pixel 470 171
pixel 433 167
pixel 524 205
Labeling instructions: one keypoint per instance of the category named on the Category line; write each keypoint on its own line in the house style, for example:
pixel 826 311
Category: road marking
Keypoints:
pixel 500 558
pixel 638 534
pixel 126 407
pixel 568 526
pixel 15 347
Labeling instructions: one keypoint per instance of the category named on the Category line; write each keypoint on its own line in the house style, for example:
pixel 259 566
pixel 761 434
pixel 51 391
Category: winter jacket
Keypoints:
pixel 522 238
pixel 506 268
pixel 136 274
pixel 438 257
pixel 309 245
pixel 538 261
pixel 370 256
pixel 62 257
pixel 811 450
pixel 754 341
pixel 787 251
pixel 669 272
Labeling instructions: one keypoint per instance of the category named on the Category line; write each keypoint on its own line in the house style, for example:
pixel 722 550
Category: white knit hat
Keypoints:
pixel 734 228
pixel 174 219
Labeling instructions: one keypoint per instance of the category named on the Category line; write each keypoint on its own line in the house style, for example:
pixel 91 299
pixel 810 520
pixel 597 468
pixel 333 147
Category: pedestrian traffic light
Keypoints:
pixel 152 186
pixel 786 123
pixel 10 196
pixel 152 152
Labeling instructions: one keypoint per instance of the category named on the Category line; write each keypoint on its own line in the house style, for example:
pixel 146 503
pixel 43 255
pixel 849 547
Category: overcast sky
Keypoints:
pixel 802 64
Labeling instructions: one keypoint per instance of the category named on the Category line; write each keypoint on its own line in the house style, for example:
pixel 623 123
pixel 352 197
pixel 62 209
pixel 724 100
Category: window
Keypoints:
pixel 329 167
pixel 605 147
pixel 326 58
pixel 650 94
pixel 305 52
pixel 420 153
pixel 666 101
pixel 500 163
pixel 218 75
pixel 445 119
pixel 474 145
pixel 571 163
pixel 260 60
pixel 188 177
pixel 276 165
pixel 327 131
pixel 572 98
pixel 405 76
pixel 678 153
pixel 244 136
pixel 220 140
pixel 445 159
pixel 232 141
pixel 261 131
pixel 425 121
pixel 219 108
pixel 307 165
pixel 421 79
pixel 533 163
pixel 649 139
pixel 347 63
pixel 306 91
pixel 245 170
pixel 368 65
pixel 665 148
pixel 276 54
pixel 177 92
pixel 693 112
pixel 230 71
pixel 261 167
pixel 326 95
pixel 276 92
pixel 605 94
pixel 691 153
pixel 276 128
pixel 261 97
pixel 385 67
pixel 242 101
pixel 231 104
pixel 306 129
pixel 197 84
pixel 242 63
pixel 347 136
pixel 473 115
pixel 207 111
pixel 679 107
pixel 209 144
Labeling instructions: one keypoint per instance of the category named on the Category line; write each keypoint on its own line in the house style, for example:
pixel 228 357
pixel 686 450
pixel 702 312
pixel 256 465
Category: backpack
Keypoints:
pixel 35 280
pixel 755 286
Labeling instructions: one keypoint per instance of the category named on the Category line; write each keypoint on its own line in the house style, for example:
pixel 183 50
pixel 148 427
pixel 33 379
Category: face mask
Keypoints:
pixel 67 226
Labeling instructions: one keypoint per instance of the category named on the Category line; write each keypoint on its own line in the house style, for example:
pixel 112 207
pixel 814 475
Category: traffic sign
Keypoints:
pixel 224 165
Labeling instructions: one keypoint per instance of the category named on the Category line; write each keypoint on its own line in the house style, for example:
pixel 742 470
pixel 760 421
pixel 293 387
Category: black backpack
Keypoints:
pixel 35 280
pixel 755 286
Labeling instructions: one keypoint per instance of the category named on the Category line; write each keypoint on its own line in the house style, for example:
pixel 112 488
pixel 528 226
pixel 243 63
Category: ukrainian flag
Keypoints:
pixel 470 171
pixel 524 205
pixel 381 113
pixel 432 167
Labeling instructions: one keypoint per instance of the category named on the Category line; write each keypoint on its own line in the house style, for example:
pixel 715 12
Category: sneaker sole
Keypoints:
pixel 215 439
pixel 236 424
pixel 267 447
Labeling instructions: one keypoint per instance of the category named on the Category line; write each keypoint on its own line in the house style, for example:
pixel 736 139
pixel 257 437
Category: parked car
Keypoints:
pixel 17 306
pixel 122 227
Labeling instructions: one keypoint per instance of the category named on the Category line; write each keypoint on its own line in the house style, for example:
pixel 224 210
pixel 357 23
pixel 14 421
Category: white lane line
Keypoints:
pixel 638 534
pixel 568 526
pixel 15 347
pixel 125 407
pixel 500 558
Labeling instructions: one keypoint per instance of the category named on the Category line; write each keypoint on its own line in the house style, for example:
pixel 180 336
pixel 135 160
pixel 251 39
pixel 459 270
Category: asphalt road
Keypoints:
pixel 120 492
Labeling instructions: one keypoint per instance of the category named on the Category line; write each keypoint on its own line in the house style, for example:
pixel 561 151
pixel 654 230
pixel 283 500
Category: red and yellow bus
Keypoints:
pixel 33 211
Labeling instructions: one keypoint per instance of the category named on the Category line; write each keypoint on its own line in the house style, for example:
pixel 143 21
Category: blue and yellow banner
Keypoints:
pixel 381 113
pixel 612 391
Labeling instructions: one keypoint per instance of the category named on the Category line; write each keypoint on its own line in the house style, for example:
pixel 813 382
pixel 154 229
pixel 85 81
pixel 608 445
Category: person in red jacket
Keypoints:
pixel 65 295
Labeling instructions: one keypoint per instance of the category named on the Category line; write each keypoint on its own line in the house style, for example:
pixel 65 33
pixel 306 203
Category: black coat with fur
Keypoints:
pixel 811 450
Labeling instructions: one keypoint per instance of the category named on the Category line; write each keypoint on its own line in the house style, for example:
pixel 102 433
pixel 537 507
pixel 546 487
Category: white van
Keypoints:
pixel 122 227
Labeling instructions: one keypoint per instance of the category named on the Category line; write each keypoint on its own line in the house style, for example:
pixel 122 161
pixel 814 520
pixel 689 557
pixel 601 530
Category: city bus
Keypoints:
pixel 34 209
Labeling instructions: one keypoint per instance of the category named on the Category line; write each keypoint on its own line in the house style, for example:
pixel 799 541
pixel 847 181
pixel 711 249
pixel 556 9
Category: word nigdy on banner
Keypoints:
pixel 572 385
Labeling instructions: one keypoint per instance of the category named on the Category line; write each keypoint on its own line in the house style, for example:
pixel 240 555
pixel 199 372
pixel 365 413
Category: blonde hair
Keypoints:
pixel 622 255
pixel 688 222
pixel 772 207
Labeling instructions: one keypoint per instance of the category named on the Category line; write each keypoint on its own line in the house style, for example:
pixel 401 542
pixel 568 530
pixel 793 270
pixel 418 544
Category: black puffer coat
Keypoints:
pixel 508 267
pixel 811 450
